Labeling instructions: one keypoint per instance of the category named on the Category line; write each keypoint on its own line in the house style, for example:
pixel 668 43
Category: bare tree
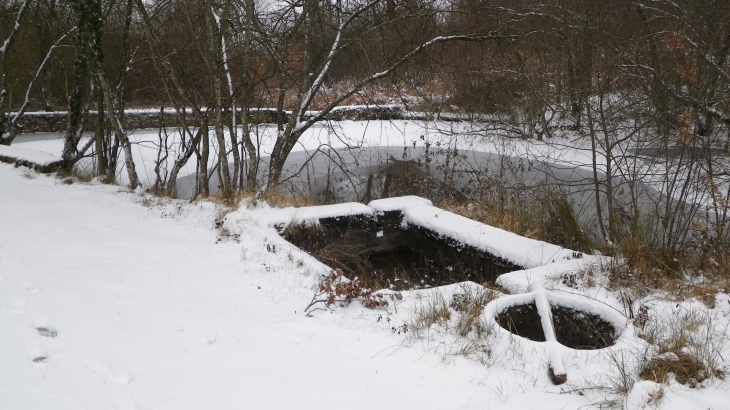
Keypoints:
pixel 315 62
pixel 12 127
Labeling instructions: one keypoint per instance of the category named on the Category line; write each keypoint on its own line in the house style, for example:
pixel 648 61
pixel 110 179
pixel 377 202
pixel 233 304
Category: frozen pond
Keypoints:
pixel 361 161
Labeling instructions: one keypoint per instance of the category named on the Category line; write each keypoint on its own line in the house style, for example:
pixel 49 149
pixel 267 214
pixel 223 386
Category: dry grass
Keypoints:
pixel 689 346
pixel 642 279
pixel 273 199
pixel 519 220
pixel 469 307
pixel 279 200
pixel 699 267
pixel 683 346
pixel 685 368
pixel 429 311
pixel 461 322
pixel 351 258
pixel 530 217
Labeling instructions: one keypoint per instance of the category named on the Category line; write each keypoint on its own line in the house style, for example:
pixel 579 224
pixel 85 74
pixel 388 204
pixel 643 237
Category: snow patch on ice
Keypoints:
pixel 31 155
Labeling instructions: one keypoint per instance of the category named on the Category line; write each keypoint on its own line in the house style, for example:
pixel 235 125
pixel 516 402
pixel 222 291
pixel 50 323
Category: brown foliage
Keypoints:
pixel 334 288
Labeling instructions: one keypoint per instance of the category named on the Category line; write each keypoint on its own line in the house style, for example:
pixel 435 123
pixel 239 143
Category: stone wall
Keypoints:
pixel 140 119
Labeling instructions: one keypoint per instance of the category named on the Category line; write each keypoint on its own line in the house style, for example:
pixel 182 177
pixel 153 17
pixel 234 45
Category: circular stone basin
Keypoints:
pixel 572 328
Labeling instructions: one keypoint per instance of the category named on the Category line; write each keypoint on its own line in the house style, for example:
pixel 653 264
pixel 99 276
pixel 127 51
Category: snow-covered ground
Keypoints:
pixel 116 299
pixel 151 313
pixel 152 309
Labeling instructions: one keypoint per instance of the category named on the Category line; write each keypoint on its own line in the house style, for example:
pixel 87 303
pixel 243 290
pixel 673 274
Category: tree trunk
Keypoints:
pixel 99 138
pixel 247 100
pixel 203 184
pixel 118 130
pixel 75 112
pixel 171 188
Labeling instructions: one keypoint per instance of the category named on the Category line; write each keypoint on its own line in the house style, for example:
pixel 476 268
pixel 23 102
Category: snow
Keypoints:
pixel 514 248
pixel 548 260
pixel 111 299
pixel 398 204
pixel 151 313
pixel 311 214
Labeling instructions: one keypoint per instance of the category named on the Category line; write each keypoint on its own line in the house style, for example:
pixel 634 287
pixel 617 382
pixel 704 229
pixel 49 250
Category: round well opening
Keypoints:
pixel 572 328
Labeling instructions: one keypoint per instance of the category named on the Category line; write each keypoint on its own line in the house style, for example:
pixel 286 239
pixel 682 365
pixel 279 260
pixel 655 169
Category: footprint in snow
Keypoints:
pixel 40 323
pixel 106 372
pixel 46 332
pixel 28 286
pixel 18 307
pixel 125 403
pixel 35 352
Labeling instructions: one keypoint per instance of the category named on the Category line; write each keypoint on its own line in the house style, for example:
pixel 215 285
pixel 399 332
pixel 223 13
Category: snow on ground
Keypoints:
pixel 152 308
pixel 151 311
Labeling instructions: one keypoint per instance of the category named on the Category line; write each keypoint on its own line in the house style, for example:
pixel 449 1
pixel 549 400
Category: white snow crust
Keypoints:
pixel 310 214
pixel 26 154
pixel 514 248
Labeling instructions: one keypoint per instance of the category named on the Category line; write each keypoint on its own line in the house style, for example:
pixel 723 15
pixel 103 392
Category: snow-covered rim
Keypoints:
pixel 311 215
pixel 543 299
pixel 519 250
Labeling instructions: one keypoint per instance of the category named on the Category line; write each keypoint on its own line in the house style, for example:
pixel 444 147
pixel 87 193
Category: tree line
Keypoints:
pixel 651 72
